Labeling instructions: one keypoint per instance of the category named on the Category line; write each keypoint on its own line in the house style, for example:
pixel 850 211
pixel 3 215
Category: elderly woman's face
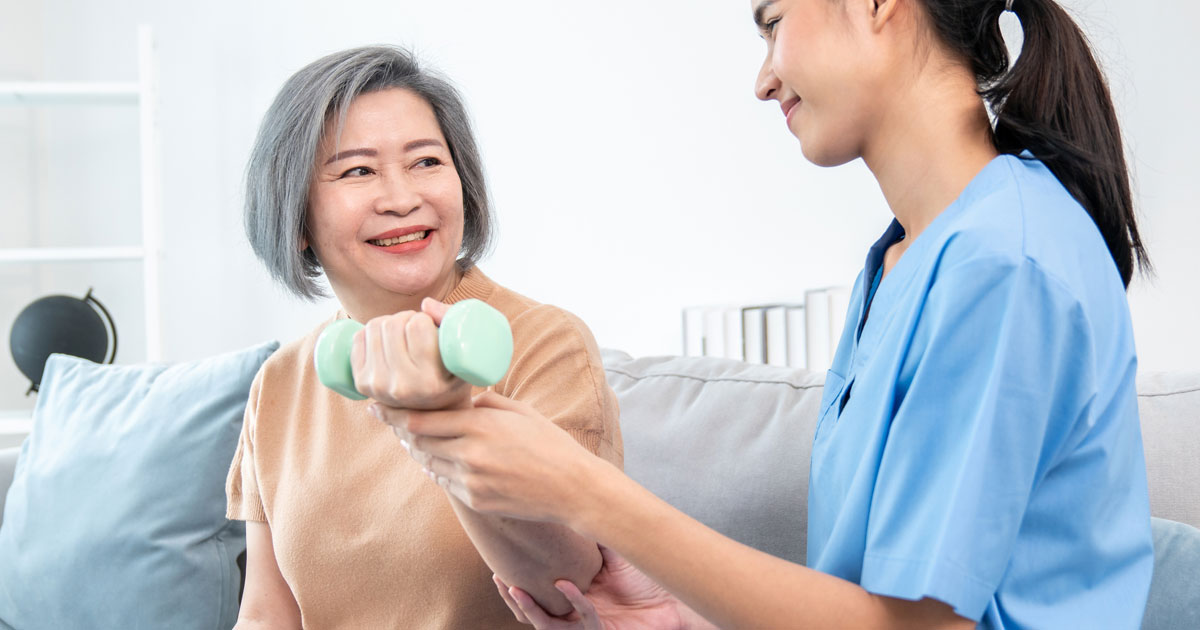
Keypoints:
pixel 385 206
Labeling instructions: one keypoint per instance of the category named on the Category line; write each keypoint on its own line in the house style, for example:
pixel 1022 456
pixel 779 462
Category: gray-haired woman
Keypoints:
pixel 365 170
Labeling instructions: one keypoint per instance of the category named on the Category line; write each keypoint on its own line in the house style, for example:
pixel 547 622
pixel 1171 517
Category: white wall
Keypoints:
pixel 632 170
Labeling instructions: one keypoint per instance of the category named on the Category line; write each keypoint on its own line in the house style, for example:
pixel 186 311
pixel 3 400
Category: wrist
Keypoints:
pixel 690 619
pixel 597 496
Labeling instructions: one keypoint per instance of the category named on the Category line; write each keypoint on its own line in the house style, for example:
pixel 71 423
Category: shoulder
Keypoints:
pixel 1016 217
pixel 287 366
pixel 532 319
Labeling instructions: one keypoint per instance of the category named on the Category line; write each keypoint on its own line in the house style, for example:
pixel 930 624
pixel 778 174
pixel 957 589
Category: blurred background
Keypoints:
pixel 632 170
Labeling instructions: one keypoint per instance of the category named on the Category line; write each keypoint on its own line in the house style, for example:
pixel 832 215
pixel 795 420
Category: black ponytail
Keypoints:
pixel 1055 103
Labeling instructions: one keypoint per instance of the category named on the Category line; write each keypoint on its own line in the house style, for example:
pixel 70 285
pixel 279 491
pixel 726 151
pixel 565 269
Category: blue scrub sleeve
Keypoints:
pixel 995 375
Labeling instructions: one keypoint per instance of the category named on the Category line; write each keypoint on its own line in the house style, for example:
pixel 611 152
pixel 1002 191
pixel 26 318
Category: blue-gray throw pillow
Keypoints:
pixel 116 514
pixel 1174 602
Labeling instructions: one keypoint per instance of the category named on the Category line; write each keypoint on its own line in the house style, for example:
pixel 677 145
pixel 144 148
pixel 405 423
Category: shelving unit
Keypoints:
pixel 141 94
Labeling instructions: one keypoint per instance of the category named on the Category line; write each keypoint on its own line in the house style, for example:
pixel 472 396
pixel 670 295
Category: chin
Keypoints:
pixel 825 155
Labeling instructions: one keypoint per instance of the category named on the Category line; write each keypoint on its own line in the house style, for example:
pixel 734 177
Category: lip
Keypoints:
pixel 400 232
pixel 408 247
pixel 789 106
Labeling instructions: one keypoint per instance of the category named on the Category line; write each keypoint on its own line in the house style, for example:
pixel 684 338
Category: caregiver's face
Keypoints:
pixel 817 69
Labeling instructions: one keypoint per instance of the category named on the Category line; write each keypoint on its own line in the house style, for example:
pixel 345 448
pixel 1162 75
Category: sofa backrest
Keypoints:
pixel 725 441
pixel 1169 403
pixel 729 442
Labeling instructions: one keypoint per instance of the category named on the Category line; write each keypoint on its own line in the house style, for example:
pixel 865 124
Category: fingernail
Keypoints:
pixel 404 443
pixel 374 409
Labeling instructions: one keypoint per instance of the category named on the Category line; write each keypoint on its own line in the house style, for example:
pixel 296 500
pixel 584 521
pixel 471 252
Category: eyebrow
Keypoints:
pixel 758 14
pixel 349 153
pixel 410 146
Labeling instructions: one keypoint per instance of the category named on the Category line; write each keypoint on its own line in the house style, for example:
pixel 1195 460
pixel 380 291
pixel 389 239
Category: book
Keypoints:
pixel 777 335
pixel 693 331
pixel 817 329
pixel 795 318
pixel 714 332
pixel 734 346
pixel 754 333
pixel 839 303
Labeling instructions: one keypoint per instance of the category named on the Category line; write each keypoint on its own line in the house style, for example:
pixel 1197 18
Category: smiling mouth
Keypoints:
pixel 407 238
pixel 792 107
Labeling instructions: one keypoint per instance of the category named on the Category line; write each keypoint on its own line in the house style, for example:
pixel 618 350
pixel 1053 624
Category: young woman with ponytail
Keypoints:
pixel 978 458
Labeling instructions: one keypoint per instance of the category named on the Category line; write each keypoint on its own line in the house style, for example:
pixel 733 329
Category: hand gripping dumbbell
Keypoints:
pixel 475 342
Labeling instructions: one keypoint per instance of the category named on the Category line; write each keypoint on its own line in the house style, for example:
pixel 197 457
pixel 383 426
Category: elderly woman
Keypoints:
pixel 365 169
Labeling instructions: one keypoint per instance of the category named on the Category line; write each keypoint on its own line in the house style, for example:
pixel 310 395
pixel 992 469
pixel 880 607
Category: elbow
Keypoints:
pixel 578 565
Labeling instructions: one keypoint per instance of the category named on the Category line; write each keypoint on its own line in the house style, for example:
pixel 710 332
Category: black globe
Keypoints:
pixel 56 324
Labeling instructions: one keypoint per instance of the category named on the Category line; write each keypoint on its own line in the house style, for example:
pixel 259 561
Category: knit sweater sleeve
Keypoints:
pixel 241 486
pixel 556 368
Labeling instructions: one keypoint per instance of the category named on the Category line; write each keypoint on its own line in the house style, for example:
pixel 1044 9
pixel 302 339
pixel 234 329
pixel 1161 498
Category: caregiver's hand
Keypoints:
pixel 500 457
pixel 620 598
pixel 396 361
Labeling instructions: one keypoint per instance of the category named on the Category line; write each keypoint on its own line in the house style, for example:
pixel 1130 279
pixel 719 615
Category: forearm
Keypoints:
pixel 728 583
pixel 531 555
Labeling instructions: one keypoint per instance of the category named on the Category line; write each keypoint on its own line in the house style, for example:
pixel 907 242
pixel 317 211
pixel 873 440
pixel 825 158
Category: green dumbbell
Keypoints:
pixel 475 342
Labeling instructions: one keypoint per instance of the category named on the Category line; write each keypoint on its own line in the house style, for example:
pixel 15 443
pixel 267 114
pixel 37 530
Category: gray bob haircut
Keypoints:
pixel 284 156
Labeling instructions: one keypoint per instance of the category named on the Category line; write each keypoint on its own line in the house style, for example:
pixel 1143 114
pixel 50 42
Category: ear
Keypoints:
pixel 883 11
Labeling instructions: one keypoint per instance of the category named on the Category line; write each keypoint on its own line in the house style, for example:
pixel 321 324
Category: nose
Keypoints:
pixel 767 86
pixel 397 195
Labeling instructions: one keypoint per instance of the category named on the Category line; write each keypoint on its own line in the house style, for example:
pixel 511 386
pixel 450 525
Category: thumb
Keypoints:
pixel 489 399
pixel 434 309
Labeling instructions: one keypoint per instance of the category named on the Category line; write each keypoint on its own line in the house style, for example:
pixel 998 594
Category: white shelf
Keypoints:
pixel 70 254
pixel 142 94
pixel 44 93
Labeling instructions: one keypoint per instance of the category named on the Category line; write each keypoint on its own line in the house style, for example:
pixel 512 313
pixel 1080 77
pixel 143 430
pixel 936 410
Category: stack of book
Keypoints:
pixel 798 335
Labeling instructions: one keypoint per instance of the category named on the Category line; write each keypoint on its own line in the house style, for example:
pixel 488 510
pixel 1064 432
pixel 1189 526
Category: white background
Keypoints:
pixel 633 172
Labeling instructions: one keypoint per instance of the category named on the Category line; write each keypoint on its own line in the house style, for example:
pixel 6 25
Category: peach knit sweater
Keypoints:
pixel 362 536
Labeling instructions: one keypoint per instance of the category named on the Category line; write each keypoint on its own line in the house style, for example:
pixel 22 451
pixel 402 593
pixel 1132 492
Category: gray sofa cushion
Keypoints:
pixel 1170 408
pixel 726 442
pixel 1175 592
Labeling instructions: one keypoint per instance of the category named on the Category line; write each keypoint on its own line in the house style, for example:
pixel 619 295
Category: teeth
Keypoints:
pixel 388 242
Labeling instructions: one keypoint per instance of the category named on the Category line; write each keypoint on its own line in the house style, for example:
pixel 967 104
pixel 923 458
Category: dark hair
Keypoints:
pixel 282 161
pixel 1053 102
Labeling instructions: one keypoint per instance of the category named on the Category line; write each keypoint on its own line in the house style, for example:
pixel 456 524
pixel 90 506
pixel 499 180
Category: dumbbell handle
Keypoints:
pixel 474 339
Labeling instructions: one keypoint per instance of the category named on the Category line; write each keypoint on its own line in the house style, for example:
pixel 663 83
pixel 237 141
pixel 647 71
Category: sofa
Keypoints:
pixel 728 442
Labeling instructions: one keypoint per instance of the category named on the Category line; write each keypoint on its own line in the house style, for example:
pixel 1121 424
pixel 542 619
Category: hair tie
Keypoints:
pixel 1008 5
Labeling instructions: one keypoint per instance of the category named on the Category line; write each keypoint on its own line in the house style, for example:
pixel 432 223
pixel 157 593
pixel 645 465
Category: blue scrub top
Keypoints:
pixel 979 440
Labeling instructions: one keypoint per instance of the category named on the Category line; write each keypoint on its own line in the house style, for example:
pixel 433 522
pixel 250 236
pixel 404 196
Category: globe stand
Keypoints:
pixel 61 324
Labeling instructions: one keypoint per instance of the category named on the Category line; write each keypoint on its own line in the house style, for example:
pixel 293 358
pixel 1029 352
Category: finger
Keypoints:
pixel 611 557
pixel 358 354
pixel 421 336
pixel 434 309
pixel 582 604
pixel 371 355
pixel 441 423
pixel 509 601
pixel 440 467
pixel 491 400
pixel 394 416
pixel 533 612
pixel 393 339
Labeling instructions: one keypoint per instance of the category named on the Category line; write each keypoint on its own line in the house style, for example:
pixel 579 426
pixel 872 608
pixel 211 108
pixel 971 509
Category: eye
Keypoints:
pixel 357 171
pixel 429 162
pixel 769 27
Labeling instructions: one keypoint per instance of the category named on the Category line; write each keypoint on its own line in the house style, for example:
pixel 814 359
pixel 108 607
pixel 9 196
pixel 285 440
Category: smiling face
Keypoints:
pixel 822 68
pixel 385 216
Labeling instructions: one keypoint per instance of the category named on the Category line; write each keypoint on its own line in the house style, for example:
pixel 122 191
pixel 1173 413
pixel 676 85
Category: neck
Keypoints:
pixel 365 308
pixel 936 141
